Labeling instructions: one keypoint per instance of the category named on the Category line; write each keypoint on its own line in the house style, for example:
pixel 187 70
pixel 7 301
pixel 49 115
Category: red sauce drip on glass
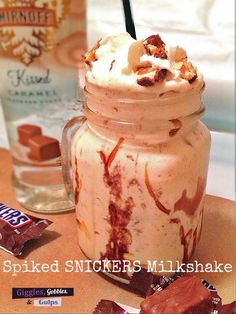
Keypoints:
pixel 153 194
pixel 190 205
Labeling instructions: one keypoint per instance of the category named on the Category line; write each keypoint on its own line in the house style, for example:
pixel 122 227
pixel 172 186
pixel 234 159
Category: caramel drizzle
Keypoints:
pixel 119 216
pixel 77 183
pixel 91 55
pixel 185 241
pixel 152 193
pixel 108 161
pixel 201 222
pixel 111 66
pixel 175 221
pixel 190 205
pixel 178 124
pixel 184 238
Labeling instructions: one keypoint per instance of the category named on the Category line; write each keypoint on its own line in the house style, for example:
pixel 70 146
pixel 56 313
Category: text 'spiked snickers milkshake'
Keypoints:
pixel 140 160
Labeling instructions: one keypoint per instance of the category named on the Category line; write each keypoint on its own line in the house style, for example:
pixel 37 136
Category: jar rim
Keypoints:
pixel 146 97
pixel 142 111
pixel 89 113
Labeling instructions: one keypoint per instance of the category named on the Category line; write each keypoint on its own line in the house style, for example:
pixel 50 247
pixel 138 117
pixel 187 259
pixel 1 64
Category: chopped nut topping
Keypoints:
pixel 155 47
pixel 146 76
pixel 150 75
pixel 144 70
pixel 178 59
pixel 177 65
pixel 180 54
pixel 155 40
pixel 91 55
pixel 177 55
pixel 188 72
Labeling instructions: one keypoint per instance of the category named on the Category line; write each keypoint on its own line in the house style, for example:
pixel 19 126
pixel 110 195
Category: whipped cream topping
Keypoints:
pixel 148 66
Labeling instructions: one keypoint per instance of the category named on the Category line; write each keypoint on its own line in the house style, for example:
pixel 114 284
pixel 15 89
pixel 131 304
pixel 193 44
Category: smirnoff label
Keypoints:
pixel 21 16
pixel 41 43
pixel 27 27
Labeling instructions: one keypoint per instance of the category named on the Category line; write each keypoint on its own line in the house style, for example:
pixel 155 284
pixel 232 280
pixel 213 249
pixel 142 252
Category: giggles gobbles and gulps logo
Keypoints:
pixel 27 27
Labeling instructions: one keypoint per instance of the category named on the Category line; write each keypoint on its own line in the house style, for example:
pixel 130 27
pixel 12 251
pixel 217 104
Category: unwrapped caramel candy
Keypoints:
pixel 43 148
pixel 27 131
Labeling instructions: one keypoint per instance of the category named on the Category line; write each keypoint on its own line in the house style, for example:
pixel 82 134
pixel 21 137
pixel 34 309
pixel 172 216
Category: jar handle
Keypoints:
pixel 67 136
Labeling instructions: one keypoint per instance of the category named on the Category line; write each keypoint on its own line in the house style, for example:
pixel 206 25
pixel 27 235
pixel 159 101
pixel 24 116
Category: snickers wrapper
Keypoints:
pixel 17 228
pixel 146 284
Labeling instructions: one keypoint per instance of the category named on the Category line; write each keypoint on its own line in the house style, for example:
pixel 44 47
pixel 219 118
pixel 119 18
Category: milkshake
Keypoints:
pixel 140 160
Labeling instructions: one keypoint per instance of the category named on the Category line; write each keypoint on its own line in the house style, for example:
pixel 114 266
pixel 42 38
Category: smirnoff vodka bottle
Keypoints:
pixel 41 44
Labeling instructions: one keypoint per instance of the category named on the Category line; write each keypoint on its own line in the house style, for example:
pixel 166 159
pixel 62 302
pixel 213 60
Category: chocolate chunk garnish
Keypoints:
pixel 160 75
pixel 26 132
pixel 43 148
pixel 155 46
pixel 155 40
pixel 192 79
pixel 145 81
pixel 16 228
pixel 153 75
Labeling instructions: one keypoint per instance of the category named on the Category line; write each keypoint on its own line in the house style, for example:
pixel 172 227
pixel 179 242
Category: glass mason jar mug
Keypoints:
pixel 139 170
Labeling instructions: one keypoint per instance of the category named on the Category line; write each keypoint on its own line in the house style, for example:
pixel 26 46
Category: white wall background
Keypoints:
pixel 205 28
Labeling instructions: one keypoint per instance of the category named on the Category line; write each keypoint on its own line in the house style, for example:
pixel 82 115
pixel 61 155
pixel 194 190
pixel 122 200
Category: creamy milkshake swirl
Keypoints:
pixel 159 80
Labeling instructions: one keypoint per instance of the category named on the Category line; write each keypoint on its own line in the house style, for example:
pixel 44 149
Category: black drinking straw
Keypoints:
pixel 129 23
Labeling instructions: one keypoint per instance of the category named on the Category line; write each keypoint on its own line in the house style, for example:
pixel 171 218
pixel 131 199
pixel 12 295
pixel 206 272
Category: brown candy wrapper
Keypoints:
pixel 16 228
pixel 146 283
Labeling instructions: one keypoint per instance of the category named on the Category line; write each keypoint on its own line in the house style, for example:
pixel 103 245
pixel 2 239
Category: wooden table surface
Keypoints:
pixel 59 242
